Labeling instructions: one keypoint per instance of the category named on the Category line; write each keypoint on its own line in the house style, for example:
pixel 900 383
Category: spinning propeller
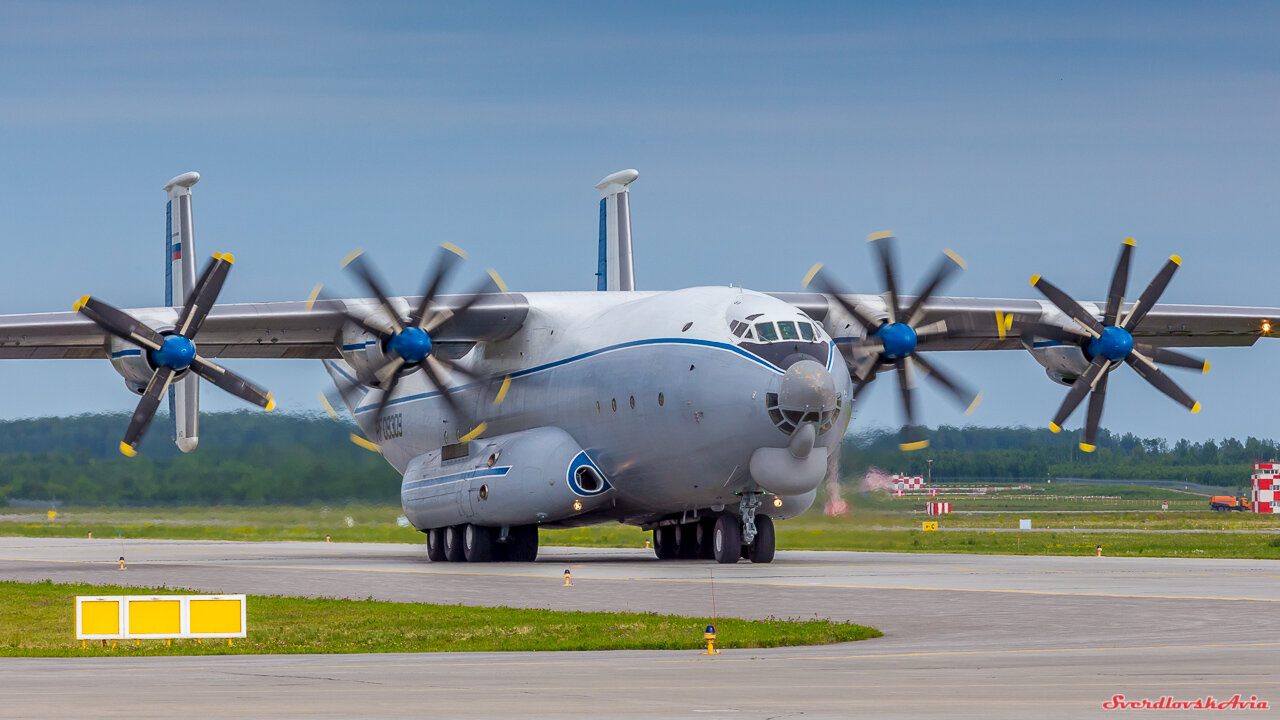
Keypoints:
pixel 1110 342
pixel 172 354
pixel 407 341
pixel 895 341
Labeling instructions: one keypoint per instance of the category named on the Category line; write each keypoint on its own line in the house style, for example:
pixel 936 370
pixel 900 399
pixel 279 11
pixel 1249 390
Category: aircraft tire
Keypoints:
pixel 435 545
pixel 761 549
pixel 727 539
pixel 687 541
pixel 664 542
pixel 522 543
pixel 706 539
pixel 453 543
pixel 477 543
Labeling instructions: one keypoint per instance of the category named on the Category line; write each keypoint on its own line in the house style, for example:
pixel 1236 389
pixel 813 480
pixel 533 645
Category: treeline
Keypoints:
pixel 1037 454
pixel 244 458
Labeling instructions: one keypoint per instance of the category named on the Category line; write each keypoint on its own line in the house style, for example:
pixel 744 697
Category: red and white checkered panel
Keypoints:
pixel 908 482
pixel 1265 488
pixel 938 508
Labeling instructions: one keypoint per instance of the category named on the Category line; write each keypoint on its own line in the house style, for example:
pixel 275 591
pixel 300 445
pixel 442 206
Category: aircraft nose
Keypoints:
pixel 807 387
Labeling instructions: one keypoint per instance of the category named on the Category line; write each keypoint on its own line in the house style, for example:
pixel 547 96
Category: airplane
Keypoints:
pixel 702 415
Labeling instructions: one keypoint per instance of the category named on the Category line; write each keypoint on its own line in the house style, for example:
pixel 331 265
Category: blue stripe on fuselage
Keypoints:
pixel 455 477
pixel 583 356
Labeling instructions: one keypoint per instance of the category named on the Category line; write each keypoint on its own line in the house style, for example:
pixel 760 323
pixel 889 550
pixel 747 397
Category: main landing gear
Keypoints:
pixel 725 538
pixel 476 543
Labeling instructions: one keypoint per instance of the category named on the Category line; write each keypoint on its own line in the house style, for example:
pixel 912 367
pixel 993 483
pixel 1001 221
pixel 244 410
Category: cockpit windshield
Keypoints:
pixel 766 332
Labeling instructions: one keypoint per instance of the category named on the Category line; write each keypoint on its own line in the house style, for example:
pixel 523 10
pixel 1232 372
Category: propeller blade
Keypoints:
pixel 883 243
pixel 1096 398
pixel 824 284
pixel 912 436
pixel 966 397
pixel 1066 304
pixel 493 284
pixel 1165 356
pixel 1050 332
pixel 1152 294
pixel 932 331
pixel 858 387
pixel 146 410
pixel 233 383
pixel 1160 381
pixel 204 295
pixel 948 266
pixel 118 323
pixel 450 254
pixel 318 295
pixel 1119 281
pixel 389 387
pixel 361 268
pixel 430 368
pixel 1079 389
pixel 389 370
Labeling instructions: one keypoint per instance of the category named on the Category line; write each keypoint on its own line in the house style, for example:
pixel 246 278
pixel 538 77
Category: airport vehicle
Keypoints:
pixel 1225 503
pixel 702 414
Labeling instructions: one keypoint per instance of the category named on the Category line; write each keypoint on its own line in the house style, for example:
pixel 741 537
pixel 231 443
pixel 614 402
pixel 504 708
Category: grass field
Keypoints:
pixel 1099 514
pixel 38 619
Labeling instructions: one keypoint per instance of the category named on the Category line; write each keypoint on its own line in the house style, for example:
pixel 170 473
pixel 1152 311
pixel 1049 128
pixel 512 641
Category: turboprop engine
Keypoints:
pixel 1063 363
pixel 533 476
pixel 131 362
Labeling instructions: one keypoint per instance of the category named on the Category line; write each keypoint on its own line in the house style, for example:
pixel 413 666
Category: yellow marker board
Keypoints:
pixel 930 527
pixel 216 616
pixel 155 617
pixel 99 617
pixel 160 616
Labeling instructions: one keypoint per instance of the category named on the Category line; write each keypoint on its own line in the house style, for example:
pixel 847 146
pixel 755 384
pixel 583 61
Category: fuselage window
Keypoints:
pixel 660 399
pixel 766 332
pixel 733 327
pixel 806 330
pixel 788 330
pixel 753 317
pixel 615 404
pixel 633 402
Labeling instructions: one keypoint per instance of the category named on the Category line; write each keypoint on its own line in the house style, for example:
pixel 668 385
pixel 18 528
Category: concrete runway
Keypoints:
pixel 965 635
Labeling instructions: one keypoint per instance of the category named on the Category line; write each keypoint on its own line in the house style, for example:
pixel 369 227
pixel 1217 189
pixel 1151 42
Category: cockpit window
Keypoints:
pixel 766 332
pixel 787 330
pixel 806 330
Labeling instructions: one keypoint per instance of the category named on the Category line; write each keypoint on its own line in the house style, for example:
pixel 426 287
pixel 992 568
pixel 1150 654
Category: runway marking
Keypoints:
pixel 761 583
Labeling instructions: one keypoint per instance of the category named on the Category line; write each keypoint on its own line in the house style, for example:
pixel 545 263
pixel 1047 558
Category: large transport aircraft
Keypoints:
pixel 702 414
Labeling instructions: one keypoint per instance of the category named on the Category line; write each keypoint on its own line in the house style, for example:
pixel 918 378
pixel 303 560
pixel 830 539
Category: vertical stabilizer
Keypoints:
pixel 180 278
pixel 616 270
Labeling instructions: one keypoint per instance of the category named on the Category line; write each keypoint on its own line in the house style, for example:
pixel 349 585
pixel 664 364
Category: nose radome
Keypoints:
pixel 807 386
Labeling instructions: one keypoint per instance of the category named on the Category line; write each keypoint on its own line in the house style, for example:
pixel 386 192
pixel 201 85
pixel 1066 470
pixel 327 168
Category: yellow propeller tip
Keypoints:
pixel 882 235
pixel 271 403
pixel 371 447
pixel 474 433
pixel 315 295
pixel 127 450
pixel 84 300
pixel 1206 367
pixel 1087 447
pixel 502 391
pixel 1034 279
pixel 497 279
pixel 1175 259
pixel 809 276
pixel 1129 241
pixel 454 249
pixel 977 400
pixel 913 446
pixel 955 258
pixel 351 258
pixel 228 258
pixel 1055 428
pixel 1195 408
pixel 216 256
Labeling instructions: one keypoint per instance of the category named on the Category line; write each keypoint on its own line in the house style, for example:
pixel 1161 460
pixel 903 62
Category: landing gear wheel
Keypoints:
pixel 477 543
pixel 761 549
pixel 687 541
pixel 727 539
pixel 706 539
pixel 453 543
pixel 435 545
pixel 522 543
pixel 664 542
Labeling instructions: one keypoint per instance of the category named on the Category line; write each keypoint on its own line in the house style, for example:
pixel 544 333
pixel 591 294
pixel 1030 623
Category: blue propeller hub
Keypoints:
pixel 175 353
pixel 412 344
pixel 1115 344
pixel 899 340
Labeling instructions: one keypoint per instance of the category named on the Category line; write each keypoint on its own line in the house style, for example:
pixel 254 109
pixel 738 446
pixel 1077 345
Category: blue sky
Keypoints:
pixel 1029 137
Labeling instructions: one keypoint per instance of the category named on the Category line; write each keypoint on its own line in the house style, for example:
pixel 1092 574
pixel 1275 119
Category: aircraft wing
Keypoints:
pixel 984 323
pixel 254 330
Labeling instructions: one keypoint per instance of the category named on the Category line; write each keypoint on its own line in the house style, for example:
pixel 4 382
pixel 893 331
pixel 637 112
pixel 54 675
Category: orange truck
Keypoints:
pixel 1223 503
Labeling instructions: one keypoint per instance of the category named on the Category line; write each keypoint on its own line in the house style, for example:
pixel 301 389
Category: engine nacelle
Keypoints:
pixel 131 362
pixel 533 476
pixel 1062 363
pixel 363 352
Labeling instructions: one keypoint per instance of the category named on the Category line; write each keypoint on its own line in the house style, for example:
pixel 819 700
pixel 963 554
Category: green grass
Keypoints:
pixel 38 619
